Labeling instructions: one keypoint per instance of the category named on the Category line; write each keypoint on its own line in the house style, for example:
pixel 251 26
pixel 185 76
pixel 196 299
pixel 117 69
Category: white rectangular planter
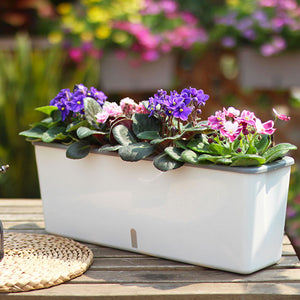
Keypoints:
pixel 118 75
pixel 275 72
pixel 216 216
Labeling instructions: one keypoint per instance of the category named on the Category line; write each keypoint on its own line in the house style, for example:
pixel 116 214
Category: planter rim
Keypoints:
pixel 284 162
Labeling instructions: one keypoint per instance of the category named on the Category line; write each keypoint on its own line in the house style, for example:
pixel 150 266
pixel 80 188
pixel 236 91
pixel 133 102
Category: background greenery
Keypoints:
pixel 30 78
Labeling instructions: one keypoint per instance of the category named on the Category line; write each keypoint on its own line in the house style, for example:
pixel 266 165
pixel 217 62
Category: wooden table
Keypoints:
pixel 117 274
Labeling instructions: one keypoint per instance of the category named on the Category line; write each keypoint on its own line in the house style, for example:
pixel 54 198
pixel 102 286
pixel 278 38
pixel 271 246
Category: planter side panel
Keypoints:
pixel 118 75
pixel 275 72
pixel 190 214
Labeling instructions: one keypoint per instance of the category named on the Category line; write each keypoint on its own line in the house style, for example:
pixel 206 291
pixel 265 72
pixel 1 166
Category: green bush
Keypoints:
pixel 30 78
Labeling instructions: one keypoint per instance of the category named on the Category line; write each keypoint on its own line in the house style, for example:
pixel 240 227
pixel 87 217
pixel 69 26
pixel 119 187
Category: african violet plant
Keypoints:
pixel 166 127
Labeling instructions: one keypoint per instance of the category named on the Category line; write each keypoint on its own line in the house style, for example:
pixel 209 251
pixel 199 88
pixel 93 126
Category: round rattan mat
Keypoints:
pixel 36 261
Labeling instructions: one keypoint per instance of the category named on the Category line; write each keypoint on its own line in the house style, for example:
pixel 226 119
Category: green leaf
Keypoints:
pixel 219 149
pixel 148 135
pixel 200 127
pixel 262 143
pixel 251 149
pixel 247 160
pixel 142 122
pixel 78 150
pixel 161 140
pixel 35 132
pixel 91 108
pixel 75 125
pixel 54 133
pixel 174 152
pixel 278 151
pixel 56 116
pixel 181 144
pixel 47 109
pixel 207 158
pixel 109 148
pixel 189 156
pixel 198 146
pixel 164 162
pixel 83 132
pixel 123 135
pixel 135 152
pixel 223 161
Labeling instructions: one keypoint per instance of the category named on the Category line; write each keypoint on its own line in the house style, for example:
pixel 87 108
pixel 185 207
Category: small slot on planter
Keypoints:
pixel 133 238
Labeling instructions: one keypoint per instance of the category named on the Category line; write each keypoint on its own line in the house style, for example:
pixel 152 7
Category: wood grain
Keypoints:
pixel 117 274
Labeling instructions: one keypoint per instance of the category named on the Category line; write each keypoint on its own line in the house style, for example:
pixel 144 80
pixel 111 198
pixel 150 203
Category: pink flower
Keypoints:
pixel 247 117
pixel 102 116
pixel 216 122
pixel 231 112
pixel 150 55
pixel 128 106
pixel 113 109
pixel 281 116
pixel 76 54
pixel 231 130
pixel 141 109
pixel 264 128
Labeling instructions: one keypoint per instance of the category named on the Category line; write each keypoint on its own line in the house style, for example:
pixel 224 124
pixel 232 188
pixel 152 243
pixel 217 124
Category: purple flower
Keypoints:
pixel 99 96
pixel 62 102
pixel 182 112
pixel 193 95
pixel 267 49
pixel 158 99
pixel 228 42
pixel 249 34
pixel 79 93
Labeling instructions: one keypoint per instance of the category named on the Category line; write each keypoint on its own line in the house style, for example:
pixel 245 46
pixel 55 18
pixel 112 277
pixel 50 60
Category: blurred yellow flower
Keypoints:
pixel 78 27
pixel 96 14
pixel 87 36
pixel 136 18
pixel 55 37
pixel 103 32
pixel 64 8
pixel 233 3
pixel 68 21
pixel 120 37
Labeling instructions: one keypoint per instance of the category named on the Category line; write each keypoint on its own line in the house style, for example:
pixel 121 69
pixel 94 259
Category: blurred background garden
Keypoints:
pixel 242 53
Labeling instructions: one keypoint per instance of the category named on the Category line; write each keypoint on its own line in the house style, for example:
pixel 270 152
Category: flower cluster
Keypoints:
pixel 71 103
pixel 167 128
pixel 230 123
pixel 126 108
pixel 178 105
pixel 271 25
pixel 145 28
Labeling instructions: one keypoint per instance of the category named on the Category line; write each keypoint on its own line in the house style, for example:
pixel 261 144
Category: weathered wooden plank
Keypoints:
pixel 151 263
pixel 23 225
pixel 100 251
pixel 191 276
pixel 286 240
pixel 288 250
pixel 170 291
pixel 20 202
pixel 21 217
pixel 21 209
pixel 147 263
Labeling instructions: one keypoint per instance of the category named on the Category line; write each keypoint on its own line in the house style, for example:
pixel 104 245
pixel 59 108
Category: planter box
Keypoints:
pixel 276 72
pixel 118 75
pixel 216 216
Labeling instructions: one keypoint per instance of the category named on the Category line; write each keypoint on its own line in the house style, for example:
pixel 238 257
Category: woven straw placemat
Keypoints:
pixel 36 261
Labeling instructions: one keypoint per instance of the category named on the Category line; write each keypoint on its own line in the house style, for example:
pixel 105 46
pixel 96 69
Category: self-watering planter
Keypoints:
pixel 228 218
